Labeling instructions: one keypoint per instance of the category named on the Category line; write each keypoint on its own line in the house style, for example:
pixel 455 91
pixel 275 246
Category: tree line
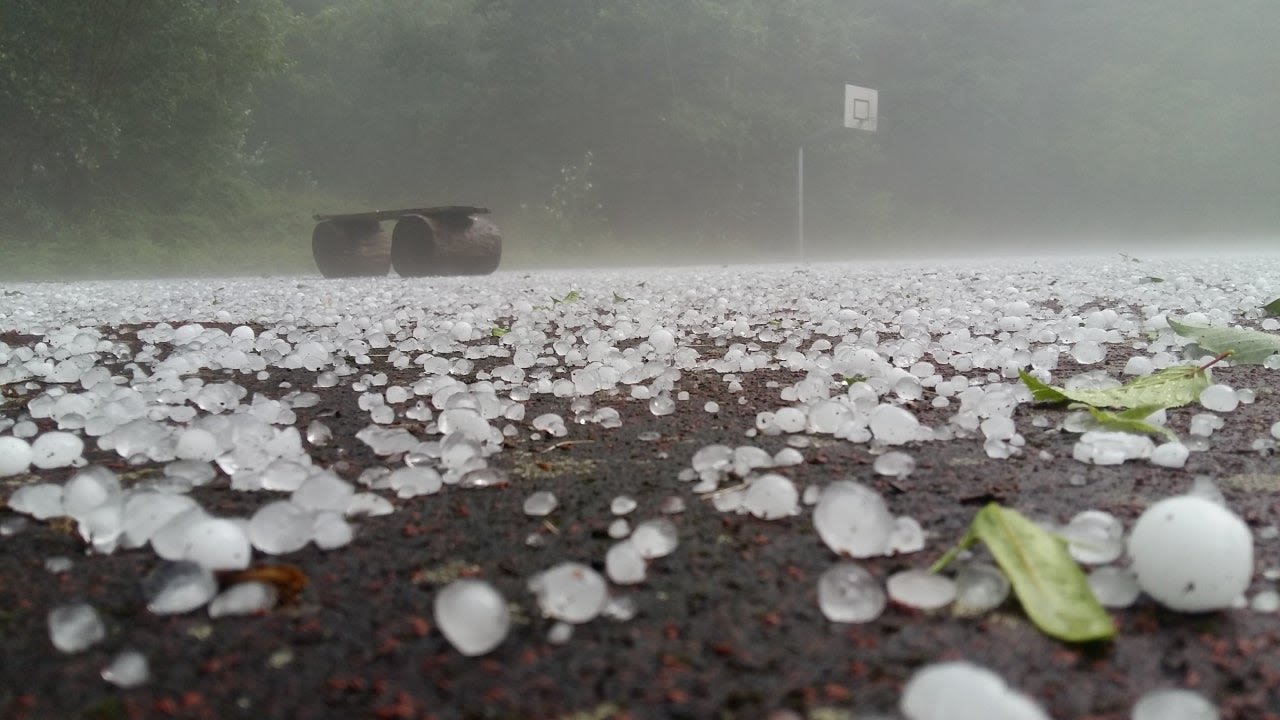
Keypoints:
pixel 593 121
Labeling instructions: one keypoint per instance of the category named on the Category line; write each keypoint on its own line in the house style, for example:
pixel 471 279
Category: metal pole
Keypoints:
pixel 800 202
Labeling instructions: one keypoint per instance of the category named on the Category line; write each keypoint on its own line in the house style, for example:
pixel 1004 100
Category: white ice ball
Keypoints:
pixel 1191 554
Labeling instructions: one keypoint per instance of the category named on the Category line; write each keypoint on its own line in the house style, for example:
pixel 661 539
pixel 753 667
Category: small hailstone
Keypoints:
pixel 1114 587
pixel 1174 704
pixel 570 591
pixel 55 449
pixel 771 496
pixel 218 544
pixel 560 633
pixel 16 455
pixel 852 519
pixel 1191 554
pixel 1094 537
pixel 921 589
pixel 1103 447
pixel 330 530
pixel 1170 455
pixel 894 464
pixel 980 588
pixel 619 528
pixel 540 503
pixel 671 505
pixel 178 587
pixel 243 598
pixel 624 564
pixel 129 669
pixel 41 501
pixel 621 505
pixel 662 404
pixel 1088 352
pixel 1219 398
pixel 620 608
pixel 280 527
pixel 655 538
pixel 318 434
pixel 75 626
pixel 1266 601
pixel 960 690
pixel 472 615
pixel 893 425
pixel 906 537
pixel 848 593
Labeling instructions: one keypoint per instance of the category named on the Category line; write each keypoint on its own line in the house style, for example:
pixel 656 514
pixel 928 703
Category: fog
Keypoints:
pixel 663 131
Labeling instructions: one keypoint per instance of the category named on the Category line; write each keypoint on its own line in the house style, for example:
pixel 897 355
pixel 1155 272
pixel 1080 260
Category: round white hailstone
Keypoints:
pixel 16 455
pixel 853 519
pixel 662 340
pixel 75 627
pixel 368 504
pixel 771 496
pixel 655 538
pixel 414 481
pixel 570 591
pixel 1219 398
pixel 178 587
pixel 789 420
pixel 330 530
pixel 960 690
pixel 1114 587
pixel 1139 365
pixel 1094 537
pixel 1174 704
pixel 472 616
pixel 244 598
pixel 1191 554
pixel 619 528
pixel 1170 455
pixel 921 589
pixel 128 670
pixel 56 449
pixel 88 489
pixel 894 464
pixel 41 501
pixel 893 425
pixel 218 544
pixel 196 444
pixel 847 593
pixel 624 564
pixel 1275 432
pixel 1088 352
pixel 907 536
pixel 323 491
pixel 540 503
pixel 280 527
pixel 621 505
pixel 980 588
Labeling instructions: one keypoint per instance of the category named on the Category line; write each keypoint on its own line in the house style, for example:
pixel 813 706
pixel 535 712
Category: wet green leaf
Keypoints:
pixel 1247 347
pixel 499 331
pixel 620 299
pixel 1132 420
pixel 1171 387
pixel 1050 585
pixel 1273 307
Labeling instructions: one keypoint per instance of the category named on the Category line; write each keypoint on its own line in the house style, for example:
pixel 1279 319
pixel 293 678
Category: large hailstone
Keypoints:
pixel 960 690
pixel 472 615
pixel 853 520
pixel 1191 554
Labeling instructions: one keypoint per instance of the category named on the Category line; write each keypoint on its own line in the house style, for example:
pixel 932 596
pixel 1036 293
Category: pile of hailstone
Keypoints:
pixel 875 348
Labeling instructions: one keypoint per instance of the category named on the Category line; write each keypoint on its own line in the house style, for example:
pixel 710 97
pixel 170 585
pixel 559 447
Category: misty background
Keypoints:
pixel 198 136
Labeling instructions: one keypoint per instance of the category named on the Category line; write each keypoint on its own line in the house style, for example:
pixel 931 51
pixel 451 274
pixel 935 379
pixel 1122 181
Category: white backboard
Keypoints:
pixel 860 107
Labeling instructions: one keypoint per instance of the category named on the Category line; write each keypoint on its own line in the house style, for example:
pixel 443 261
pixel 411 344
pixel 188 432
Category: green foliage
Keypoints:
pixel 1171 387
pixel 1050 585
pixel 1247 347
pixel 1131 420
pixel 1273 307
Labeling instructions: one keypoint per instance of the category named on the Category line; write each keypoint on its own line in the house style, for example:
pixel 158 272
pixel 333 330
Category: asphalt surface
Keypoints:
pixel 727 626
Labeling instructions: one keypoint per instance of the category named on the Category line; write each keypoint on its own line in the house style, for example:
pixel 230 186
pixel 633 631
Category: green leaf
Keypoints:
pixel 1273 307
pixel 1247 347
pixel 1050 585
pixel 1171 387
pixel 619 299
pixel 572 296
pixel 499 331
pixel 1132 420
